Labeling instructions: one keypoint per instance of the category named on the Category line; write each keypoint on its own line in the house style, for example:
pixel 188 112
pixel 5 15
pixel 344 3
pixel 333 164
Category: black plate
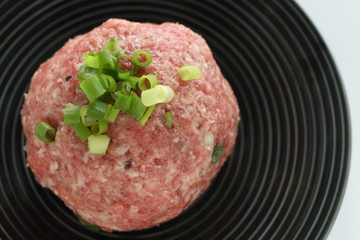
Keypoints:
pixel 287 175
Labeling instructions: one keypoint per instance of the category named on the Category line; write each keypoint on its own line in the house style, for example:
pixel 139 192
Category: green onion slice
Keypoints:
pixel 99 127
pixel 98 144
pixel 89 225
pixel 187 73
pixel 96 110
pixel 108 82
pixel 146 82
pixel 112 114
pixel 123 55
pixel 45 132
pixel 146 115
pixel 84 118
pixel 132 80
pixel 81 130
pixel 91 60
pixel 142 58
pixel 158 94
pixel 218 150
pixel 106 59
pixel 137 108
pixel 112 45
pixel 86 72
pixel 169 119
pixel 92 87
pixel 124 87
pixel 71 114
pixel 123 75
pixel 123 102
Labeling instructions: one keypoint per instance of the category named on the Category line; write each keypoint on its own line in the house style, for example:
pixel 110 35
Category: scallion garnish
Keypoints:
pixel 158 94
pixel 137 108
pixel 112 114
pixel 187 73
pixel 103 81
pixel 92 87
pixel 112 45
pixel 98 144
pixel 132 80
pixel 122 102
pixel 84 118
pixel 108 82
pixel 89 225
pixel 99 127
pixel 86 72
pixel 169 119
pixel 218 150
pixel 96 110
pixel 146 115
pixel 71 114
pixel 81 130
pixel 147 81
pixel 142 58
pixel 45 132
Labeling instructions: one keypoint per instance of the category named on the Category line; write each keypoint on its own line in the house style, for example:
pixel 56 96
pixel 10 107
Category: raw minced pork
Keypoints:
pixel 150 173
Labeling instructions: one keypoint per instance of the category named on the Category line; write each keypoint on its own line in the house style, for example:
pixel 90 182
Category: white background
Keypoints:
pixel 338 21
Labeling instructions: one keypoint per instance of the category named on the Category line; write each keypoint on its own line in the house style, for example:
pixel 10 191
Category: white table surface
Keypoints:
pixel 338 21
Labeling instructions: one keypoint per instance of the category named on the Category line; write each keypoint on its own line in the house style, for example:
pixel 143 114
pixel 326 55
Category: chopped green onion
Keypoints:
pixel 98 144
pixel 81 130
pixel 123 74
pixel 84 118
pixel 108 82
pixel 112 45
pixel 139 54
pixel 132 80
pixel 86 72
pixel 106 60
pixel 89 225
pixel 158 94
pixel 146 115
pixel 96 110
pixel 189 73
pixel 109 72
pixel 45 132
pixel 99 127
pixel 92 87
pixel 99 59
pixel 71 114
pixel 147 82
pixel 122 102
pixel 135 67
pixel 169 119
pixel 124 88
pixel 91 60
pixel 112 114
pixel 218 150
pixel 137 108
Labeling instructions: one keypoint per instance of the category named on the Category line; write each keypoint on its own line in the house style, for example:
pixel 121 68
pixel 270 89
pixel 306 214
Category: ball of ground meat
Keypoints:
pixel 150 173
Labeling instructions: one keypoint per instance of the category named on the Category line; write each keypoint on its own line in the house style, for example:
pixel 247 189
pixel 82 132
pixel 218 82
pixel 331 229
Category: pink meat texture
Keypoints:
pixel 150 173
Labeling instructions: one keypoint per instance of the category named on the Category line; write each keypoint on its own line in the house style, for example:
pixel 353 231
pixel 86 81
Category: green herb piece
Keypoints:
pixel 45 132
pixel 98 144
pixel 146 82
pixel 96 110
pixel 142 58
pixel 158 94
pixel 187 73
pixel 218 150
pixel 169 119
pixel 137 108
pixel 92 87
pixel 71 114
pixel 81 130
pixel 146 115
pixel 99 127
